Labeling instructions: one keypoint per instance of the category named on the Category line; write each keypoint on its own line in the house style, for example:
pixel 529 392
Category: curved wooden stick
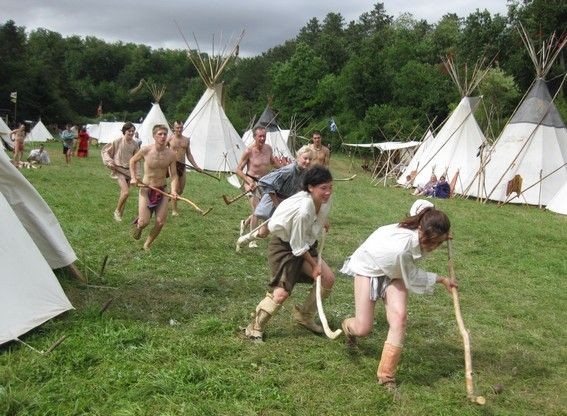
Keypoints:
pixel 464 332
pixel 203 213
pixel 322 317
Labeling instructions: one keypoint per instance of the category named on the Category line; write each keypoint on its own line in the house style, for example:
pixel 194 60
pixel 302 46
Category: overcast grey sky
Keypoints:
pixel 267 23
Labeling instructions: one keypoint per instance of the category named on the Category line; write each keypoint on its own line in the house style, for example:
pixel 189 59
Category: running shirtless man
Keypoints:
pixel 182 147
pixel 258 159
pixel 158 159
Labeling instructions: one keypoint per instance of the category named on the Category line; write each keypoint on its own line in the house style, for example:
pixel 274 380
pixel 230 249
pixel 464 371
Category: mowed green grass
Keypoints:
pixel 171 343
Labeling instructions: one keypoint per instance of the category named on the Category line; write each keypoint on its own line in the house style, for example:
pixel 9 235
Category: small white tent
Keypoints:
pixel 39 133
pixel 35 215
pixel 30 292
pixel 387 164
pixel 107 131
pixel 215 144
pixel 528 162
pixel 275 137
pixel 154 116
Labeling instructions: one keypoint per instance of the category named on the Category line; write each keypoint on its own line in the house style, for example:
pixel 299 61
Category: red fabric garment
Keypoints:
pixel 83 149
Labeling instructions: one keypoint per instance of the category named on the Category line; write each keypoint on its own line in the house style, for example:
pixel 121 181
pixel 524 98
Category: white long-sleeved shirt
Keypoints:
pixel 295 221
pixel 392 251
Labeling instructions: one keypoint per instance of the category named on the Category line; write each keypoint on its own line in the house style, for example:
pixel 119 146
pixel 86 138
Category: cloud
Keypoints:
pixel 267 24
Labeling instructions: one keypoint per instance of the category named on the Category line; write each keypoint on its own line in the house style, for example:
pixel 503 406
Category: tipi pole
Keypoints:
pixel 540 186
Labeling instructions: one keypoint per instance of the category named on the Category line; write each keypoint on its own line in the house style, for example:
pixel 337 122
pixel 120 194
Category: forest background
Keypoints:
pixel 378 77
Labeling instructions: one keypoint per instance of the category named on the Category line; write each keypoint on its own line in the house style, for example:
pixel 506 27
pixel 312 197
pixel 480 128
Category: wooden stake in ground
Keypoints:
pixel 464 333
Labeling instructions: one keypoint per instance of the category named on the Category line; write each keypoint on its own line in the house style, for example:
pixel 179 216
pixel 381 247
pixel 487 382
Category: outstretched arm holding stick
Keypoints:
pixel 384 267
pixel 158 159
pixel 292 253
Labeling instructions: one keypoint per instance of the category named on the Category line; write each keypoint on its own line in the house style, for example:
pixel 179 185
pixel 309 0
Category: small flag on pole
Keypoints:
pixel 332 125
pixel 14 97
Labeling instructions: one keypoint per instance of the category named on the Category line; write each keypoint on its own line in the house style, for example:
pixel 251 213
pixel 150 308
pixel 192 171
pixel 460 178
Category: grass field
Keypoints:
pixel 170 343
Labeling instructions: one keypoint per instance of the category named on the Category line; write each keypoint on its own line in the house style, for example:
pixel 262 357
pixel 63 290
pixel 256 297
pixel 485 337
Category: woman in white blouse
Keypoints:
pixel 292 252
pixel 384 268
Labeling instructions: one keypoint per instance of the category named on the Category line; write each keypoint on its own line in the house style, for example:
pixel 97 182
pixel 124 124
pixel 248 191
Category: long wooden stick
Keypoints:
pixel 322 317
pixel 202 171
pixel 203 212
pixel 464 333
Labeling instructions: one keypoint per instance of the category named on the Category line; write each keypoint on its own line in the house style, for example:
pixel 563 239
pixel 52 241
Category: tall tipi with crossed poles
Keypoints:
pixel 215 144
pixel 528 162
pixel 453 151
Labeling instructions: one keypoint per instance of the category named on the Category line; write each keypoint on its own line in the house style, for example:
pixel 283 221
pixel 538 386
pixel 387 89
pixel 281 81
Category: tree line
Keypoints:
pixel 378 77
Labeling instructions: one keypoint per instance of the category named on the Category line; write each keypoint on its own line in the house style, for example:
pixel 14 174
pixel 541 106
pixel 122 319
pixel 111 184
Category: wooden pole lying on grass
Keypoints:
pixel 203 212
pixel 464 333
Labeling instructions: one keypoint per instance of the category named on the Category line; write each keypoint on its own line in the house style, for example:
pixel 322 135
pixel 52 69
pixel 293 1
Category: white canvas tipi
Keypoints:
pixel 30 292
pixel 35 215
pixel 39 133
pixel 215 144
pixel 155 115
pixel 559 201
pixel 4 134
pixel 528 162
pixel 454 151
pixel 413 165
pixel 275 137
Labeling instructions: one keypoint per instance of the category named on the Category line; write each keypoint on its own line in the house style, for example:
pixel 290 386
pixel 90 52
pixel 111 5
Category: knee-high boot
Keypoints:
pixel 386 372
pixel 304 314
pixel 264 312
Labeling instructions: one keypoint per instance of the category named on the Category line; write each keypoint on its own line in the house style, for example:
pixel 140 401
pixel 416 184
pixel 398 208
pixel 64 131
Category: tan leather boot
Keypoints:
pixel 264 312
pixel 305 313
pixel 386 372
